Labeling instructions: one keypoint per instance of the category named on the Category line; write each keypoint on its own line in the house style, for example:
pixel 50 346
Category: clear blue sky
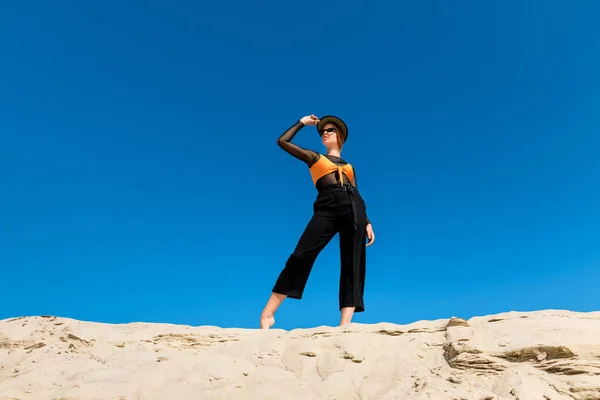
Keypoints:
pixel 141 181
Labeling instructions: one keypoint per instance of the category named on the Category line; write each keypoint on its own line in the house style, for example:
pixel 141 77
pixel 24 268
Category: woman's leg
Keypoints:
pixel 293 278
pixel 353 266
pixel 347 313
pixel 267 318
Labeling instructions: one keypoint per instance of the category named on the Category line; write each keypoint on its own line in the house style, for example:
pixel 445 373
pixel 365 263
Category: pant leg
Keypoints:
pixel 317 234
pixel 353 259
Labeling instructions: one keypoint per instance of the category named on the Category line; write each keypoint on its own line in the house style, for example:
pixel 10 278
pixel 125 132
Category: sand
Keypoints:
pixel 549 354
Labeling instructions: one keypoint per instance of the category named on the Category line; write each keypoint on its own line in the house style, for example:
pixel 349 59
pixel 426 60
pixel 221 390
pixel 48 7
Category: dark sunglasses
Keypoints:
pixel 328 130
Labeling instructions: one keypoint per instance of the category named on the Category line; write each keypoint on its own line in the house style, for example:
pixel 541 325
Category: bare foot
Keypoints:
pixel 266 321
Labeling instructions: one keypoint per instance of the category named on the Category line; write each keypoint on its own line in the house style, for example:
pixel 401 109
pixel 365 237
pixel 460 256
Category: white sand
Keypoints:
pixel 539 355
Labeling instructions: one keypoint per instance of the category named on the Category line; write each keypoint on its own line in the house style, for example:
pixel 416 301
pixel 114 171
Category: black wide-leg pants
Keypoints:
pixel 337 209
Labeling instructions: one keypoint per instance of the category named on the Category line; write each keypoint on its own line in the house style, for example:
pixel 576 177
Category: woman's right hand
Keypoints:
pixel 309 120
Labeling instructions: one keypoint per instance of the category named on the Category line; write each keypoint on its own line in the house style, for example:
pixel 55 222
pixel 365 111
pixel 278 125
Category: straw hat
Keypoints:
pixel 330 119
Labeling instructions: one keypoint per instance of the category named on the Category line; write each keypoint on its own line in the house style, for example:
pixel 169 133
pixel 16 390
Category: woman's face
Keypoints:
pixel 329 136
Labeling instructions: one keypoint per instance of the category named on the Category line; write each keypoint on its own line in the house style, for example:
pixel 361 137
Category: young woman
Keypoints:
pixel 338 208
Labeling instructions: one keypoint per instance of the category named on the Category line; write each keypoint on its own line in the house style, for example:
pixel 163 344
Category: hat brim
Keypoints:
pixel 330 119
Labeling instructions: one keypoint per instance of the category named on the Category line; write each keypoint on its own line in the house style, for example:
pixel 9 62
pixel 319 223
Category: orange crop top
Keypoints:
pixel 324 166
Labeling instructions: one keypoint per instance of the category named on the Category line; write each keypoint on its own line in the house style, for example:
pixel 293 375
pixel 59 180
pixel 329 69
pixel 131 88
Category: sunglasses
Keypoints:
pixel 328 130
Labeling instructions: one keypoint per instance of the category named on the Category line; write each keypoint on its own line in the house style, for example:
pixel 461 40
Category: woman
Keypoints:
pixel 338 208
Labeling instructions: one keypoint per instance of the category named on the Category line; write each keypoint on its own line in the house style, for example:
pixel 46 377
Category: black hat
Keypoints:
pixel 330 119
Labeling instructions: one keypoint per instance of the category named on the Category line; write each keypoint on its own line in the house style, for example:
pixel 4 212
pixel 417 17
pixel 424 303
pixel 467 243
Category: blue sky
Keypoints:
pixel 141 181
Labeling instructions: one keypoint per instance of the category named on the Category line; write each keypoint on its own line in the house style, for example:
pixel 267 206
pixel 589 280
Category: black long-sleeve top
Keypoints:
pixel 310 157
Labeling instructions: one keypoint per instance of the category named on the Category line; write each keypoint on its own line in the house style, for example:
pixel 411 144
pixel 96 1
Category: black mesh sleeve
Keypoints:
pixel 285 142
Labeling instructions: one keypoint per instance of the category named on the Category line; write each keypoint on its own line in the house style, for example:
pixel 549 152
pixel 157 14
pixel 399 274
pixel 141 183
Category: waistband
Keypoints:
pixel 351 190
pixel 336 187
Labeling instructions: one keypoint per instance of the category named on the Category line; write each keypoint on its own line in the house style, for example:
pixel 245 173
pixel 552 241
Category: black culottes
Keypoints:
pixel 337 209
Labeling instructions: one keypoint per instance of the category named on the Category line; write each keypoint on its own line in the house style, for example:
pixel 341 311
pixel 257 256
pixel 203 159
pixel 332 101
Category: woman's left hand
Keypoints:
pixel 370 235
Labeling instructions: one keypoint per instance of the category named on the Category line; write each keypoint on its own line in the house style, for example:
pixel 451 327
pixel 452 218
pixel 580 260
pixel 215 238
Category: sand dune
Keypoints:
pixel 537 355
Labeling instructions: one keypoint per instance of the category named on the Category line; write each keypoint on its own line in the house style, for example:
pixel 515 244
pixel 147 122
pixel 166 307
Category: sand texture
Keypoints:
pixel 540 355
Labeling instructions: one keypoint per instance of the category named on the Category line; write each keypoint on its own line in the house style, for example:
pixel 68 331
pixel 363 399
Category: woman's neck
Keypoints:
pixel 333 152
